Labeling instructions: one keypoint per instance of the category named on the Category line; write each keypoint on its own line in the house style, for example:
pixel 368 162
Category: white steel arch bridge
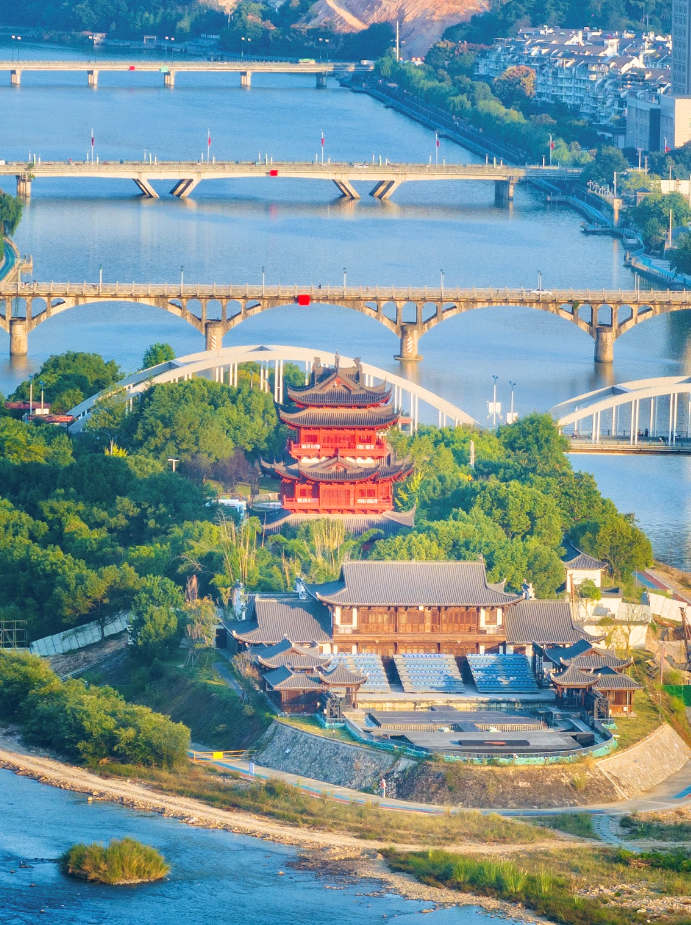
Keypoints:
pixel 221 365
pixel 644 415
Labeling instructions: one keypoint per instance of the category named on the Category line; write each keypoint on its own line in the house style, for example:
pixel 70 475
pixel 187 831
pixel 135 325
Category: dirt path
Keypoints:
pixel 195 812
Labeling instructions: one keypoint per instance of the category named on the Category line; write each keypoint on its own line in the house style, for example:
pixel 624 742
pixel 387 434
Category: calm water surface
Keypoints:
pixel 299 231
pixel 215 876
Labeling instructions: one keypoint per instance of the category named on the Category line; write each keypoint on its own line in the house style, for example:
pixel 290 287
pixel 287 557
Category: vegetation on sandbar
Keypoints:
pixel 123 861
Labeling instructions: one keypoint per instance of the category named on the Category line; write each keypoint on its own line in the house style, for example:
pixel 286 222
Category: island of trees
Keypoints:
pixel 122 862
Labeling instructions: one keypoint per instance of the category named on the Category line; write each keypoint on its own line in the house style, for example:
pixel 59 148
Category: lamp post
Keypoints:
pixel 512 417
pixel 263 279
pixel 41 383
pixel 441 282
pixel 345 277
pixel 173 461
pixel 494 402
pixel 182 278
pixel 31 395
pixel 100 279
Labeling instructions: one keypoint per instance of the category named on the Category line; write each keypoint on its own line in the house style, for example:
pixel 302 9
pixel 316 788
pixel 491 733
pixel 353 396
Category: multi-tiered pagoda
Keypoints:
pixel 342 462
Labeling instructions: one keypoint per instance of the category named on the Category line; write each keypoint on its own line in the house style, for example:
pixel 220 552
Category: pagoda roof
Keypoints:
pixel 339 469
pixel 597 659
pixel 339 386
pixel 385 416
pixel 283 679
pixel 573 677
pixel 410 584
pixel 341 676
pixel 576 560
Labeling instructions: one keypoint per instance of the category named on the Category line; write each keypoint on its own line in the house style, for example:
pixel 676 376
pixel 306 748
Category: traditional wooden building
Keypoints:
pixel 342 463
pixel 577 687
pixel 296 691
pixel 391 608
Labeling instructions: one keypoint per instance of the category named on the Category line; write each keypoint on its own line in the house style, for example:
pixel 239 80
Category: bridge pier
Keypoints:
pixel 321 81
pixel 146 187
pixel 16 78
pixel 213 331
pixel 184 187
pixel 503 192
pixel 346 189
pixel 24 186
pixel 604 345
pixel 410 334
pixel 385 188
pixel 169 79
pixel 19 337
pixel 92 77
pixel 246 79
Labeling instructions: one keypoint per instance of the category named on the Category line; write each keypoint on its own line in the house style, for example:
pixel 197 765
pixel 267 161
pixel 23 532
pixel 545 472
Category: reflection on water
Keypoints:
pixel 300 233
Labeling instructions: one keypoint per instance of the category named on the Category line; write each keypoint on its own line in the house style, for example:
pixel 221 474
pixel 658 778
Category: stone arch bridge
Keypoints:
pixel 407 312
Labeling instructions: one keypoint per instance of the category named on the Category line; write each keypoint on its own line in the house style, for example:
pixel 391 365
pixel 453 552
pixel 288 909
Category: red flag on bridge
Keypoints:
pixel 436 135
pixel 322 139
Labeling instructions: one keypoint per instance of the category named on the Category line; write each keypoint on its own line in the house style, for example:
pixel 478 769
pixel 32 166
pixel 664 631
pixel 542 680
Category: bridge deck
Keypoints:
pixel 180 65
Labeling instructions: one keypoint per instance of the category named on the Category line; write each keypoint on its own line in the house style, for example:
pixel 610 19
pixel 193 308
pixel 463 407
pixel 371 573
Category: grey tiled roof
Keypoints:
pixel 575 558
pixel 291 654
pixel 597 660
pixel 283 679
pixel 573 677
pixel 339 469
pixel 410 584
pixel 280 616
pixel 616 682
pixel 341 675
pixel 563 654
pixel 542 622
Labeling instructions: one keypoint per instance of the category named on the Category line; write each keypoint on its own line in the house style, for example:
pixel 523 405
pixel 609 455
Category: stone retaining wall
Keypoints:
pixel 648 763
pixel 286 748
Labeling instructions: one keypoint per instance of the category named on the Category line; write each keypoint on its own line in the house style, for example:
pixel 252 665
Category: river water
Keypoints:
pixel 215 876
pixel 298 231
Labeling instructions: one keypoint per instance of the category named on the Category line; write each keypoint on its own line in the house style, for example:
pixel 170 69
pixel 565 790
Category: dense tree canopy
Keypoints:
pixel 11 208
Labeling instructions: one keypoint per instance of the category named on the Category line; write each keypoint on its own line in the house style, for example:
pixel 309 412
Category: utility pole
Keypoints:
pixel 398 42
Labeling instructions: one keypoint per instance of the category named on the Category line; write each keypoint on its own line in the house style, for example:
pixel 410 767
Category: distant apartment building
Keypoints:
pixel 681 47
pixel 594 73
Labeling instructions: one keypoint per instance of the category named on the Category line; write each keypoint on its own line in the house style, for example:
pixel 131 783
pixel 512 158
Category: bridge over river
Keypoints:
pixel 169 68
pixel 408 312
pixel 186 175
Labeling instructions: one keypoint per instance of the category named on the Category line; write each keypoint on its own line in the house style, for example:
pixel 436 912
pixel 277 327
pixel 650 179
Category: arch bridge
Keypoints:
pixel 408 312
pixel 642 416
pixel 222 366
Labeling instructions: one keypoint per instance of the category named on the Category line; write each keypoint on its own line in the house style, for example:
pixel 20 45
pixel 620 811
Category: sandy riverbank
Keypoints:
pixel 336 857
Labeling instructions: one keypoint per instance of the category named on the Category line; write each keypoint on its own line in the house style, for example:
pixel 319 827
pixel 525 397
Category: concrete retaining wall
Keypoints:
pixel 286 748
pixel 648 763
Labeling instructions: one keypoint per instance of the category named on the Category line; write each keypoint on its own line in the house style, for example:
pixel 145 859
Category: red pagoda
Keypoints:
pixel 342 462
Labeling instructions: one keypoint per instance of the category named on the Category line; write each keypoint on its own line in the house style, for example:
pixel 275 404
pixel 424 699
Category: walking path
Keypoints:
pixel 672 793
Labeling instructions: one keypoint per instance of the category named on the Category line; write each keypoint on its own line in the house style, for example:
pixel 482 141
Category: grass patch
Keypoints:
pixel 195 696
pixel 661 830
pixel 310 724
pixel 124 861
pixel 297 808
pixel 591 886
pixel 580 824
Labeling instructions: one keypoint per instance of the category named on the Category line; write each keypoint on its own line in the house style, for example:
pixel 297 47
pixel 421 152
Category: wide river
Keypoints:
pixel 300 232
pixel 215 876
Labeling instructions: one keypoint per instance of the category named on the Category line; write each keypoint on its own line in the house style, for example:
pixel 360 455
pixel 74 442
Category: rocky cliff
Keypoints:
pixel 422 21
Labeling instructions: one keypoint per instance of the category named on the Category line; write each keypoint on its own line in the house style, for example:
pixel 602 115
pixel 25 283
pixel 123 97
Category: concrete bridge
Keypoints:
pixel 407 312
pixel 642 416
pixel 169 68
pixel 222 364
pixel 186 175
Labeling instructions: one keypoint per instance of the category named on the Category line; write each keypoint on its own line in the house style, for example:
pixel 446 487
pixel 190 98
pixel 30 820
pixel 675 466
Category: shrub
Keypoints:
pixel 124 861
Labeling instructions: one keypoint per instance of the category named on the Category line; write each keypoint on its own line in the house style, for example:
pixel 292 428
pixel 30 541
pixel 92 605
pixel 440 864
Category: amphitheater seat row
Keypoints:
pixel 429 673
pixel 502 674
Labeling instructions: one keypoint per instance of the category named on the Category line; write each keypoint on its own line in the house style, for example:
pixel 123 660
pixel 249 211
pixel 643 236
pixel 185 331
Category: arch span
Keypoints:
pixel 408 312
pixel 644 413
pixel 222 364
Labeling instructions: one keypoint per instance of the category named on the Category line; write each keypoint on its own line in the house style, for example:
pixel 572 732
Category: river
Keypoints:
pixel 215 876
pixel 300 231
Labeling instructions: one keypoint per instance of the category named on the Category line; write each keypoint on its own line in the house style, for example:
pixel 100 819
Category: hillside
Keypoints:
pixel 423 22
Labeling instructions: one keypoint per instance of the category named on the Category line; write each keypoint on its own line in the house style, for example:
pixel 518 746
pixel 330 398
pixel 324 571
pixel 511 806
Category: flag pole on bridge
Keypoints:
pixel 92 146
pixel 322 147
pixel 208 145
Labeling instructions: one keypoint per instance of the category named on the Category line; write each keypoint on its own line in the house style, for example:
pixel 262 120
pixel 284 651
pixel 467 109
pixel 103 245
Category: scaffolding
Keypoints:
pixel 13 634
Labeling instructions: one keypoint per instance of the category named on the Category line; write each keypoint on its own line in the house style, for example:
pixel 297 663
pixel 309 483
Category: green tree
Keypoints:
pixel 652 216
pixel 680 258
pixel 516 86
pixel 11 208
pixel 157 353
pixel 606 163
pixel 156 616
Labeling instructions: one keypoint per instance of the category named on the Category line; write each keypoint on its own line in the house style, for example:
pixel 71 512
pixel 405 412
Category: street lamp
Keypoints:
pixel 263 279
pixel 494 402
pixel 511 416
pixel 41 383
pixel 100 279
pixel 345 275
pixel 182 278
pixel 441 277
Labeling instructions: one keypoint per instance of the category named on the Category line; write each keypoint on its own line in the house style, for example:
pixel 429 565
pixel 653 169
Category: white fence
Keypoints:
pixel 666 607
pixel 77 638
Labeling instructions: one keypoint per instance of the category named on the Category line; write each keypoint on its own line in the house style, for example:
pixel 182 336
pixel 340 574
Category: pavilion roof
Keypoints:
pixel 410 584
pixel 575 559
pixel 341 676
pixel 596 660
pixel 611 681
pixel 573 677
pixel 283 679
pixel 291 654
pixel 341 387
